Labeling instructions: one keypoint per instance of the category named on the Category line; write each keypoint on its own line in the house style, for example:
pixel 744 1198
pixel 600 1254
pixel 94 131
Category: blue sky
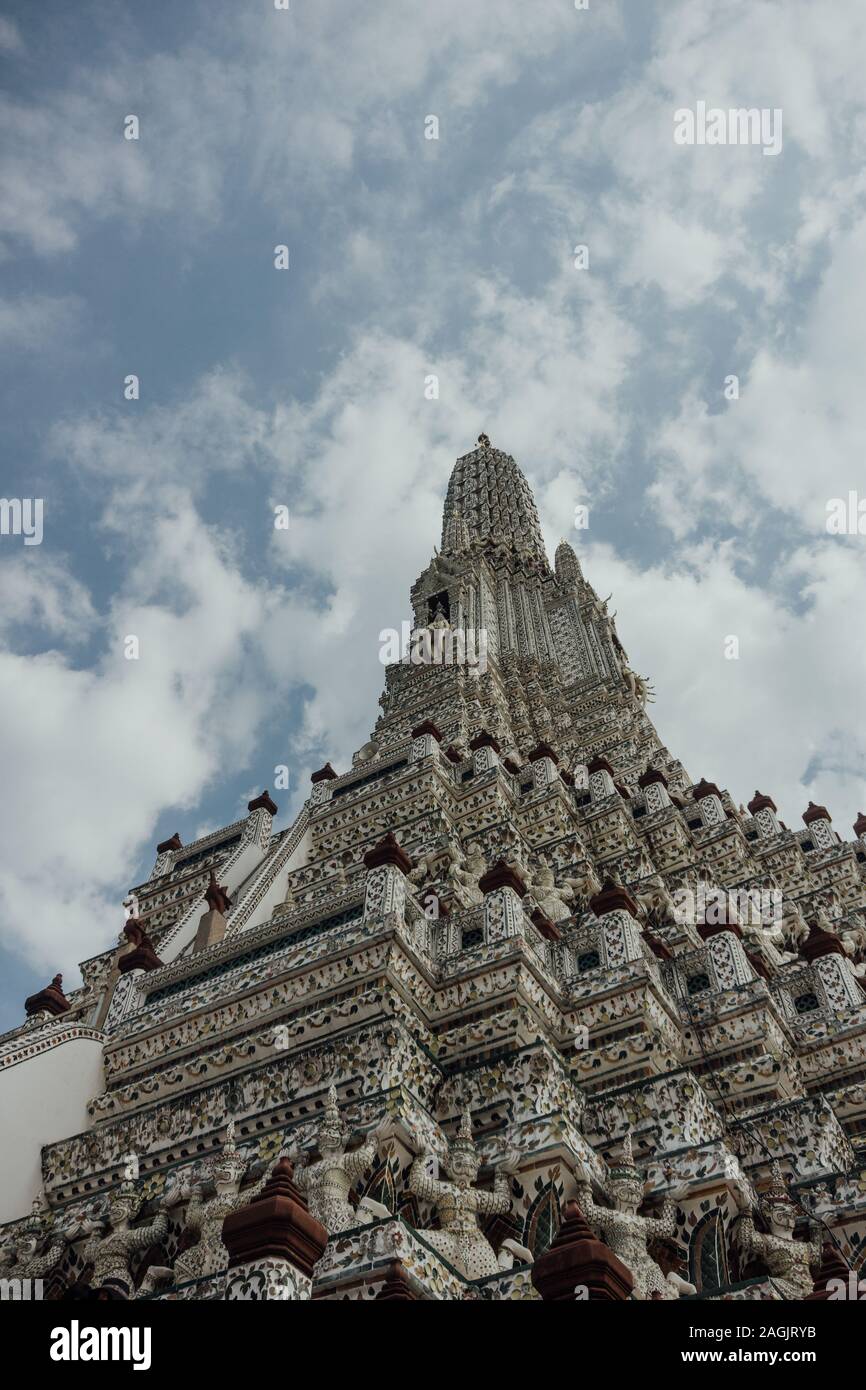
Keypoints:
pixel 305 387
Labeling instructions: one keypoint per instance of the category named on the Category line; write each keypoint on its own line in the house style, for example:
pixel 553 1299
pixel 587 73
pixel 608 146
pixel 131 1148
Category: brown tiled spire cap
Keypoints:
pixel 860 824
pixel 397 1286
pixel 50 1000
pixel 612 898
pixel 502 875
pixel 820 943
pixel 599 764
pixel 452 755
pixel 813 812
pixel 549 930
pixel 427 727
pixel 833 1266
pixel 275 1225
pixel 165 846
pixel 484 739
pixel 705 788
pixel 760 802
pixel 324 774
pixel 657 946
pixel 542 750
pixel 576 1257
pixel 708 929
pixel 651 775
pixel 216 895
pixel 141 955
pixel 388 851
pixel 263 802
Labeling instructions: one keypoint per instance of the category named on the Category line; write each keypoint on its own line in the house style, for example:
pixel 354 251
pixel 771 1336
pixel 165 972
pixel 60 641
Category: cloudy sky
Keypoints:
pixel 305 387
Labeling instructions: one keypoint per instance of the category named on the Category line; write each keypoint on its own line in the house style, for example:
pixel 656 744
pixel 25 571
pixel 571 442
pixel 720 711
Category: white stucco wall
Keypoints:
pixel 42 1099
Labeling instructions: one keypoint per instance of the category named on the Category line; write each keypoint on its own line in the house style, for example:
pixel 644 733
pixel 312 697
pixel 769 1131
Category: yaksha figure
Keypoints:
pixel 787 1259
pixel 209 1255
pixel 327 1182
pixel 26 1264
pixel 459 1205
pixel 627 1233
pixel 112 1253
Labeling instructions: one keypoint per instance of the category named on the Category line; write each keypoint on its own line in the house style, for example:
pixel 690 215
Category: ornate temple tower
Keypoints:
pixel 509 983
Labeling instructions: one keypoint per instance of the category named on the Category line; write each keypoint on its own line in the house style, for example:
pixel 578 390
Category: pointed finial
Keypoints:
pixel 465 1130
pixel 627 1151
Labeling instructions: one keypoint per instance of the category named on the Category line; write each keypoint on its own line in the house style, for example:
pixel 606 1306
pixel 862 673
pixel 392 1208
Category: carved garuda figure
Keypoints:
pixel 26 1240
pixel 459 1205
pixel 787 1259
pixel 111 1253
pixel 205 1216
pixel 627 1233
pixel 327 1182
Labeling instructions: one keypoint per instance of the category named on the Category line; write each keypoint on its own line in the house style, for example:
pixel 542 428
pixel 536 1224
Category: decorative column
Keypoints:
pixel 320 781
pixel 385 890
pixel 725 940
pixel 600 779
pixel 260 819
pixel 617 911
pixel 485 752
pixel 763 811
pixel 503 889
pixel 709 800
pixel 544 762
pixel 579 1266
pixel 425 741
pixel 273 1243
pixel 825 951
pixel 817 818
pixel 654 786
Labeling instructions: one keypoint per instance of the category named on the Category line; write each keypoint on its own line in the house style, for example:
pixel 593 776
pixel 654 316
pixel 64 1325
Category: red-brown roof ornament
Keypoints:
pixel 427 727
pixel 613 898
pixel 166 846
pixel 651 775
pixel 502 875
pixel 577 1257
pixel 263 802
pixel 549 930
pixel 834 1267
pixel 705 788
pixel 484 739
pixel 860 824
pixel 49 1000
pixel 275 1225
pixel 542 750
pixel 324 774
pixel 388 851
pixel 760 802
pixel 216 896
pixel 141 955
pixel 813 812
pixel 820 943
pixel 599 764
